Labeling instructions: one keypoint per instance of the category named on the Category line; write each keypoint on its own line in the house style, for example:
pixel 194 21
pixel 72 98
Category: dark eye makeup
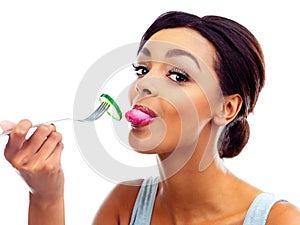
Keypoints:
pixel 140 70
pixel 175 74
pixel 178 75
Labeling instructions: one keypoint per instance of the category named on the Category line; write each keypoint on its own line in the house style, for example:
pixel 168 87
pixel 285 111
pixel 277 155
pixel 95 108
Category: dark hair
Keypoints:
pixel 239 65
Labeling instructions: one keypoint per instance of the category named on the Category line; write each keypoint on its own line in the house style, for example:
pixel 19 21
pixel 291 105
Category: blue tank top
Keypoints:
pixel 257 213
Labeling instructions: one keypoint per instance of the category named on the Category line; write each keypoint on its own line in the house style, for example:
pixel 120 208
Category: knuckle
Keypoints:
pixel 43 167
pixel 56 136
pixel 25 122
pixel 53 126
pixel 61 146
pixel 51 168
pixel 36 169
pixel 42 129
pixel 7 155
pixel 19 132
pixel 10 158
pixel 21 128
pixel 17 163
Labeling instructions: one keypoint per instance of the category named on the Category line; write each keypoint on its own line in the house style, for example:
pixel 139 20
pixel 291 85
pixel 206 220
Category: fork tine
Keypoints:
pixel 98 112
pixel 92 116
pixel 101 112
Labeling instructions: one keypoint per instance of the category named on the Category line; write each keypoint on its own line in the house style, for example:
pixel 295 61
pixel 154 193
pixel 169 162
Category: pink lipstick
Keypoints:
pixel 140 116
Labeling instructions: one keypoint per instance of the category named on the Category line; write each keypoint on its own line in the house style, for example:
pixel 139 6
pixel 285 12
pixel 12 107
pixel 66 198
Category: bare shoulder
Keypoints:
pixel 284 213
pixel 116 208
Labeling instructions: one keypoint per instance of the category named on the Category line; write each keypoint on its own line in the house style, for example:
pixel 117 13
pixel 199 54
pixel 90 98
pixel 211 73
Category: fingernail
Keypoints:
pixel 6 125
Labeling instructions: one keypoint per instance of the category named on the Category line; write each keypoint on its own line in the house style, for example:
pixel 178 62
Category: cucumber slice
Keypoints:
pixel 114 110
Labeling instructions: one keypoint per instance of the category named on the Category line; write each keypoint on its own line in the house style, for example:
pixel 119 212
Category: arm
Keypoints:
pixel 46 212
pixel 108 212
pixel 37 159
pixel 117 207
pixel 284 213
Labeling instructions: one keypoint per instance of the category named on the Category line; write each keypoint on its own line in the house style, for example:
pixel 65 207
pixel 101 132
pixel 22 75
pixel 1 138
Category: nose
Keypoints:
pixel 146 86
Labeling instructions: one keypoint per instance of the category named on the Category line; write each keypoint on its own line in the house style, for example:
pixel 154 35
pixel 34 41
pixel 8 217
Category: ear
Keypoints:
pixel 229 110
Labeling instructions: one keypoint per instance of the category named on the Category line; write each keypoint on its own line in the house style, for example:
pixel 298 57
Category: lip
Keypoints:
pixel 140 116
pixel 146 110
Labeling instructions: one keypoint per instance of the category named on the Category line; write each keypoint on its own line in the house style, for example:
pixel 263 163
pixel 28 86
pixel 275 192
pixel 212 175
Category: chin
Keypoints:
pixel 142 141
pixel 146 139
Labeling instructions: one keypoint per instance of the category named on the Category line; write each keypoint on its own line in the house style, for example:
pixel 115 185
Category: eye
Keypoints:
pixel 140 70
pixel 178 75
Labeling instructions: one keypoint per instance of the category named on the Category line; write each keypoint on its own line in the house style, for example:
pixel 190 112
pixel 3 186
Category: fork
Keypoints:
pixel 103 107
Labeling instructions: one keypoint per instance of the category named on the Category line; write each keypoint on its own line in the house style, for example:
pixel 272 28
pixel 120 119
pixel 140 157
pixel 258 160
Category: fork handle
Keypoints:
pixel 36 125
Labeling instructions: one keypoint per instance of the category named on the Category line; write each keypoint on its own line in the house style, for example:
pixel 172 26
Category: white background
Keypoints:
pixel 46 48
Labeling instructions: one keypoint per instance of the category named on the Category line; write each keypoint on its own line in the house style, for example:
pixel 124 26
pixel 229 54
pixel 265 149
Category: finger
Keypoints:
pixel 37 139
pixel 49 146
pixel 6 125
pixel 54 127
pixel 39 164
pixel 49 165
pixel 17 138
pixel 55 157
pixel 26 156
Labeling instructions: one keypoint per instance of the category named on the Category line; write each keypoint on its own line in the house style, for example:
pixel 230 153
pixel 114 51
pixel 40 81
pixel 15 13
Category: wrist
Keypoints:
pixel 46 211
pixel 45 201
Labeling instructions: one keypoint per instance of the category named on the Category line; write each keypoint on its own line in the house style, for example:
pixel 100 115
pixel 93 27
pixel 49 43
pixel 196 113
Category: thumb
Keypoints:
pixel 6 125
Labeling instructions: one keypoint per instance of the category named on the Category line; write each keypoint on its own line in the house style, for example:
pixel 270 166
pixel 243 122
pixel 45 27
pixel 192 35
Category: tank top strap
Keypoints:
pixel 260 208
pixel 143 207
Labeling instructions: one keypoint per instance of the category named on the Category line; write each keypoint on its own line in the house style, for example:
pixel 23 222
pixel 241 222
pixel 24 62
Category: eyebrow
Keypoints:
pixel 173 53
pixel 146 51
pixel 180 52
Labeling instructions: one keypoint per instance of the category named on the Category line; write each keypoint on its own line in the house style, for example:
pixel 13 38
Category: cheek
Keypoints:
pixel 161 135
pixel 182 115
pixel 203 109
pixel 185 120
pixel 173 123
pixel 194 115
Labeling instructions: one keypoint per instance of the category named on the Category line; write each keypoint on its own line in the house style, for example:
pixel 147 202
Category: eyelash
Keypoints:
pixel 180 75
pixel 137 68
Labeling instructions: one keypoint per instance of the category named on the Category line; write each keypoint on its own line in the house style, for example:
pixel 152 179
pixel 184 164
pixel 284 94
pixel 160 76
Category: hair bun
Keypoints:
pixel 233 138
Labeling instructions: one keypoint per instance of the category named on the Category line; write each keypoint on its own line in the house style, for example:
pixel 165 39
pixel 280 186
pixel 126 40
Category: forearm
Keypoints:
pixel 46 212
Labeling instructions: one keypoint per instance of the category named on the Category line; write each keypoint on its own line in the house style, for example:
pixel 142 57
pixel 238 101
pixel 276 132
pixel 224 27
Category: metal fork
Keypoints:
pixel 103 107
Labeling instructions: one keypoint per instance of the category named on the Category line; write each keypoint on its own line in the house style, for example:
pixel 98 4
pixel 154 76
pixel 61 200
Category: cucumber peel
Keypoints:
pixel 114 110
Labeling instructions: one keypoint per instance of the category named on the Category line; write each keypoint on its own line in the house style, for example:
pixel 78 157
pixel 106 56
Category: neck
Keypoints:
pixel 188 185
pixel 193 193
pixel 197 187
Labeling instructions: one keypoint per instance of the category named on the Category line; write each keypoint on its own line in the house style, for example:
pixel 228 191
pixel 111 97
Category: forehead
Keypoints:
pixel 186 39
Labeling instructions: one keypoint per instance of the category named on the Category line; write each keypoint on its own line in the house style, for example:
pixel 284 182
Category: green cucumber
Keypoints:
pixel 114 110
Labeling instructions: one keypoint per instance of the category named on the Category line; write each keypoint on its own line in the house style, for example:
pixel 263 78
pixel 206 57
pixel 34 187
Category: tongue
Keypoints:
pixel 138 118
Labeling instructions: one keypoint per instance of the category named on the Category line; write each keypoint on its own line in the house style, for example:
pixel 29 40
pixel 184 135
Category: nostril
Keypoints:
pixel 145 87
pixel 144 91
pixel 147 91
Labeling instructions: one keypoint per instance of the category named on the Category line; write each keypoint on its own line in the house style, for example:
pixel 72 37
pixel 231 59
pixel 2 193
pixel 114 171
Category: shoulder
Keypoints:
pixel 284 213
pixel 118 204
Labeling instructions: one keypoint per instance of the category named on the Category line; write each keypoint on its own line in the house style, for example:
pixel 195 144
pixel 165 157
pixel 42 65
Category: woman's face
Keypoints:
pixel 175 93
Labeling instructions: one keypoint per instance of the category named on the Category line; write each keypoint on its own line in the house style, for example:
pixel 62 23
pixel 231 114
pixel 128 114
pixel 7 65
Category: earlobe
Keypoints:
pixel 229 110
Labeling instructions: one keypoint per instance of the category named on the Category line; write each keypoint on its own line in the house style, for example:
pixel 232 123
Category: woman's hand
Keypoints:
pixel 37 158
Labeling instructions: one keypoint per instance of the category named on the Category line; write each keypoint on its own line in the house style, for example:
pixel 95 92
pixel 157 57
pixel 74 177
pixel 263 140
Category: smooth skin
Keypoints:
pixel 37 159
pixel 212 196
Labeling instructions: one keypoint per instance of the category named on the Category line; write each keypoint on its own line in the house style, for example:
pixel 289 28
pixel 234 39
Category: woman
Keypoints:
pixel 197 81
